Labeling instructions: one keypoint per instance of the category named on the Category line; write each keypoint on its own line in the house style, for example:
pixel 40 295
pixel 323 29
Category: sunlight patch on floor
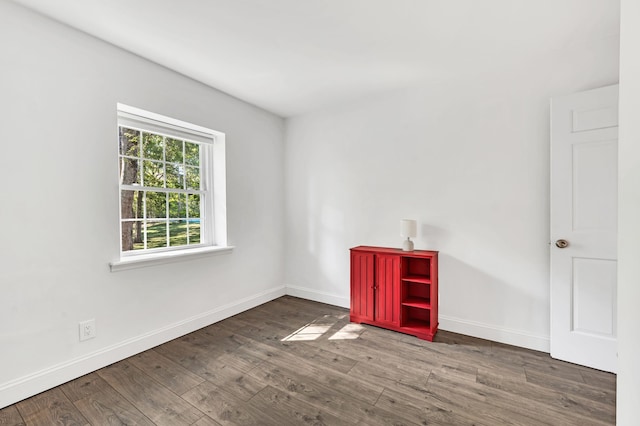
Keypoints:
pixel 318 327
pixel 308 332
pixel 348 332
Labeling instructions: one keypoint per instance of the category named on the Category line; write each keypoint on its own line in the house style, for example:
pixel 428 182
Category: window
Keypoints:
pixel 172 195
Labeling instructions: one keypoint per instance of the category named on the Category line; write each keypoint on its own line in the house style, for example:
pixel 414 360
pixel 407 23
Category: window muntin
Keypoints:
pixel 166 197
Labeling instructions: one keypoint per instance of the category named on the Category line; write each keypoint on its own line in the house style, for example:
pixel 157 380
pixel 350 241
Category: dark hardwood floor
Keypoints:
pixel 293 361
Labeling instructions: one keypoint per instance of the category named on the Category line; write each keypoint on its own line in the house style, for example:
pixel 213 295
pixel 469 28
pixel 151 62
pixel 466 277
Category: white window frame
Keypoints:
pixel 213 218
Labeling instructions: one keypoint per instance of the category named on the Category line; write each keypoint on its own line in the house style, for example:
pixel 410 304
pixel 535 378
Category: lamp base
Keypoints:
pixel 407 245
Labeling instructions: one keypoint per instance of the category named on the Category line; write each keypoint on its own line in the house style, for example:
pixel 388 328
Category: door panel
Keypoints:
pixel 594 286
pixel 594 118
pixel 594 179
pixel 584 192
pixel 362 291
pixel 387 298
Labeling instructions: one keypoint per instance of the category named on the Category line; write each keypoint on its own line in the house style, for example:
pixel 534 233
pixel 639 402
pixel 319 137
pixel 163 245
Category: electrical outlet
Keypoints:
pixel 87 329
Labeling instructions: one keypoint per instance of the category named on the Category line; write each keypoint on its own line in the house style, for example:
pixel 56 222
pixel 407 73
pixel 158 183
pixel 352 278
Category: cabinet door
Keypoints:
pixel 362 283
pixel 387 297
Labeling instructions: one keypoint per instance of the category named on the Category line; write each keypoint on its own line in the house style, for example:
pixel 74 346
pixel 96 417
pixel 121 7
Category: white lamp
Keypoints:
pixel 408 228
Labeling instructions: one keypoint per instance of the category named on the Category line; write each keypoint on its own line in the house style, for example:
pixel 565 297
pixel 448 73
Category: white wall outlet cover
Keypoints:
pixel 87 329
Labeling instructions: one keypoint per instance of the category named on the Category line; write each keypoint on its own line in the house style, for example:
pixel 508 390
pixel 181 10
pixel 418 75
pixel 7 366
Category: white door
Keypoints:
pixel 584 198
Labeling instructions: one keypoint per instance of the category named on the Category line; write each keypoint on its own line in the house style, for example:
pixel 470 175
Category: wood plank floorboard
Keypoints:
pixel 170 374
pixel 52 407
pixel 549 399
pixel 322 396
pixel 206 421
pixel 431 411
pixel 297 362
pixel 339 382
pixel 153 399
pixel 600 379
pixel 287 409
pixel 274 335
pixel 224 407
pixel 11 416
pixel 598 394
pixel 109 407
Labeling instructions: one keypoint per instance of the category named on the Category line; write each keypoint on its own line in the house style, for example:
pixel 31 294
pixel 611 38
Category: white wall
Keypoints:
pixel 628 395
pixel 469 159
pixel 59 207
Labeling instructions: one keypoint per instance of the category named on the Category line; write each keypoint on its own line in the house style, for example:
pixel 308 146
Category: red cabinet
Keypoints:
pixel 395 289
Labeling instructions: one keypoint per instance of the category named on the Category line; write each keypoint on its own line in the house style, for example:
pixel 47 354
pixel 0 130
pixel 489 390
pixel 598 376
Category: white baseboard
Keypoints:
pixel 318 296
pixel 496 334
pixel 470 328
pixel 32 384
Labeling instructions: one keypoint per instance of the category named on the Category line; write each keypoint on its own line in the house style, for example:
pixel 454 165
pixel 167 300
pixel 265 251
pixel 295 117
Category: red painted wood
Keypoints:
pixel 405 289
pixel 387 289
pixel 362 282
pixel 434 294
pixel 388 250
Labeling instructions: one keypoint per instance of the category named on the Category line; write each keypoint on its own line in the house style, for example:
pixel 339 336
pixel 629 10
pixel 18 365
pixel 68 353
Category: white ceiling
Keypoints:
pixel 295 56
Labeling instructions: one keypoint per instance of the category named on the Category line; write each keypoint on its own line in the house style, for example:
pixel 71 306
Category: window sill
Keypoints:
pixel 142 261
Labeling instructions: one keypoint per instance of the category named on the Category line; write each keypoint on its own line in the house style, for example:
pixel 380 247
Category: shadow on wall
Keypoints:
pixel 431 237
pixel 505 305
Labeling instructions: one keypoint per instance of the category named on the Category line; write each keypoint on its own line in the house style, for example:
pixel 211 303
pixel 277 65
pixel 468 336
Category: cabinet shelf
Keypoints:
pixel 417 302
pixel 420 279
pixel 418 327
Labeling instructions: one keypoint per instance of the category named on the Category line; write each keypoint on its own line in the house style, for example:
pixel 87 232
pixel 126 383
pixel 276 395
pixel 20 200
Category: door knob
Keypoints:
pixel 562 243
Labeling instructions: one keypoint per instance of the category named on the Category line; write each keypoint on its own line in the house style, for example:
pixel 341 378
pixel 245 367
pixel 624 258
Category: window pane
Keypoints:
pixel 175 175
pixel 194 206
pixel 153 174
pixel 130 204
pixel 152 146
pixel 193 177
pixel 174 150
pixel 129 142
pixel 192 153
pixel 194 231
pixel 156 234
pixel 177 232
pixel 178 205
pixel 165 184
pixel 132 238
pixel 129 171
pixel 156 205
pixel 138 234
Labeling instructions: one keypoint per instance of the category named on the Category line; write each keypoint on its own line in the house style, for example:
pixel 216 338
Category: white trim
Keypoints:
pixel 140 119
pixel 158 189
pixel 161 258
pixel 457 325
pixel 213 203
pixel 318 296
pixel 32 384
pixel 218 179
pixel 497 334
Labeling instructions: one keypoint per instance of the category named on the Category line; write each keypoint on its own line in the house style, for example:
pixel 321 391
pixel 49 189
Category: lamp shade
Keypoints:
pixel 408 228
